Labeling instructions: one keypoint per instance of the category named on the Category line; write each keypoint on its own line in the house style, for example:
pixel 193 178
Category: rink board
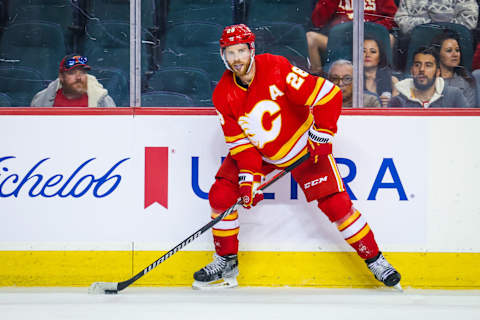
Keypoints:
pixel 81 200
pixel 298 269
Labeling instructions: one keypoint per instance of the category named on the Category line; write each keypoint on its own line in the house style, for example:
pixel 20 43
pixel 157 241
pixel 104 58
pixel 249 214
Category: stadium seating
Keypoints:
pixel 38 45
pixel 5 100
pixel 192 82
pixel 108 45
pixel 166 99
pixel 56 11
pixel 293 11
pixel 215 11
pixel 20 84
pixel 194 44
pixel 340 41
pixel 120 10
pixel 116 82
pixel 423 34
pixel 283 38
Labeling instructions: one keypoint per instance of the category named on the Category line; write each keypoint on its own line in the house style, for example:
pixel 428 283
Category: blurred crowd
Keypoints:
pixel 417 53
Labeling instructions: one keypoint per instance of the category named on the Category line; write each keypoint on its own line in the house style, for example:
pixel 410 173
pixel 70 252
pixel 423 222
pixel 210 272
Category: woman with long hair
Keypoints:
pixel 452 68
pixel 377 73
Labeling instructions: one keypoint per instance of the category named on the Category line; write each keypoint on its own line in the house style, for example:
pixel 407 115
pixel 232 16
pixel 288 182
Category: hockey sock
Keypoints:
pixel 223 194
pixel 356 231
pixel 225 234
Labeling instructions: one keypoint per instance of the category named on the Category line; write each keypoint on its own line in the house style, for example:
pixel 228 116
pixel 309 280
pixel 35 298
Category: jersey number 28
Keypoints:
pixel 296 78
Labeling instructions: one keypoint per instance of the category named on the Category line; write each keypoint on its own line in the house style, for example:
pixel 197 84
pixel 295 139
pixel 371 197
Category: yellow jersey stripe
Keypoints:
pixel 301 154
pixel 235 138
pixel 239 149
pixel 315 91
pixel 329 96
pixel 290 143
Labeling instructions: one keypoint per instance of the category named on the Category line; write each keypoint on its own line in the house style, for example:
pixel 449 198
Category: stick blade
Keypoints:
pixel 103 288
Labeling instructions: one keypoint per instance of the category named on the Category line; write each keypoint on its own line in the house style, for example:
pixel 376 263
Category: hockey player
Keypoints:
pixel 273 113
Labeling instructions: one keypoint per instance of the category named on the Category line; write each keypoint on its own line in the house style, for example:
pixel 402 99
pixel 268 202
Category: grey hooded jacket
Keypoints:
pixel 97 94
pixel 444 96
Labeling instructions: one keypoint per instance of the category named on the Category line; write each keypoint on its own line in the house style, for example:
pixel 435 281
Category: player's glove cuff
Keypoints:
pixel 319 135
pixel 319 143
pixel 249 182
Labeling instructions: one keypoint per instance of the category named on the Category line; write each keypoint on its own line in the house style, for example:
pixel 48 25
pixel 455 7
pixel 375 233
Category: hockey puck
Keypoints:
pixel 111 291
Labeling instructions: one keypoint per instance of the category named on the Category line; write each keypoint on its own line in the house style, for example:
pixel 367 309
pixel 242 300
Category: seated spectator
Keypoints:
pixel 378 75
pixel 452 69
pixel 326 14
pixel 73 87
pixel 341 73
pixel 412 13
pixel 426 89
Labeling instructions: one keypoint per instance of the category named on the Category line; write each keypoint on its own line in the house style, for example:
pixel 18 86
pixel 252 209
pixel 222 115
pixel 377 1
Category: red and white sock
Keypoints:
pixel 356 231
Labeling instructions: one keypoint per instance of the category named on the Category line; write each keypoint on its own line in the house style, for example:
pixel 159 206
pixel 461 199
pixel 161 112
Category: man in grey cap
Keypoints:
pixel 74 87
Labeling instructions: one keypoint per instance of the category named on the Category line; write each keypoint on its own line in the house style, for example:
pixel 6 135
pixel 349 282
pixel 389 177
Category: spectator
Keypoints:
pixel 326 14
pixel 73 87
pixel 378 74
pixel 452 69
pixel 426 89
pixel 341 73
pixel 412 13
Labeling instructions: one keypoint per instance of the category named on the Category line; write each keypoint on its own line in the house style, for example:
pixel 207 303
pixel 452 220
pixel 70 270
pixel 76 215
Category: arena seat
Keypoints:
pixel 116 82
pixel 20 84
pixel 340 41
pixel 56 11
pixel 5 100
pixel 423 34
pixel 108 45
pixel 283 38
pixel 194 44
pixel 293 11
pixel 120 10
pixel 166 99
pixel 215 11
pixel 34 44
pixel 192 82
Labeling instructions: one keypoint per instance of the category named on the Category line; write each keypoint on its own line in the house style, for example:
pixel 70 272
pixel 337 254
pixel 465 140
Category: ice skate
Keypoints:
pixel 221 273
pixel 384 272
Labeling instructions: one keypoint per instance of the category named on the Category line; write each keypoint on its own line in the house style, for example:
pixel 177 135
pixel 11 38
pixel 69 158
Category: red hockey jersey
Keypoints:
pixel 332 12
pixel 270 120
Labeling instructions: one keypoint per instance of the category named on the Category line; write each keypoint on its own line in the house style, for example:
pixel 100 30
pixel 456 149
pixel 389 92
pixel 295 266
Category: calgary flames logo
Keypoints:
pixel 263 123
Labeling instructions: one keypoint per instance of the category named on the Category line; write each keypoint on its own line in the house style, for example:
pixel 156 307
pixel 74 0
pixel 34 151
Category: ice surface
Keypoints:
pixel 246 303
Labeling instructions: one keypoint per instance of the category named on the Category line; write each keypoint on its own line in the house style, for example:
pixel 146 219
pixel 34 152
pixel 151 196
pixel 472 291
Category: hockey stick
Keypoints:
pixel 114 287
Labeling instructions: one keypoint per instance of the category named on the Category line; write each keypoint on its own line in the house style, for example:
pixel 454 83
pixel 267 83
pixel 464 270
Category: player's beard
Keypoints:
pixel 243 70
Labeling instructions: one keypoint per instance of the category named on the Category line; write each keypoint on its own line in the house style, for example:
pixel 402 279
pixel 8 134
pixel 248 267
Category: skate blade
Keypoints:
pixel 398 287
pixel 226 283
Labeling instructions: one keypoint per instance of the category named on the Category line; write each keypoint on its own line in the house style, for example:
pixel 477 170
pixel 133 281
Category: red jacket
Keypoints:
pixel 331 12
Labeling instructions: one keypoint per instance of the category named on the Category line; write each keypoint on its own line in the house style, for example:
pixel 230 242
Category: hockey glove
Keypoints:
pixel 249 183
pixel 319 143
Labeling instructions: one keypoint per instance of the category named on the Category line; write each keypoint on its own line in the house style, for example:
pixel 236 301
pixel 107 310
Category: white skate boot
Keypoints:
pixel 221 273
pixel 384 272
